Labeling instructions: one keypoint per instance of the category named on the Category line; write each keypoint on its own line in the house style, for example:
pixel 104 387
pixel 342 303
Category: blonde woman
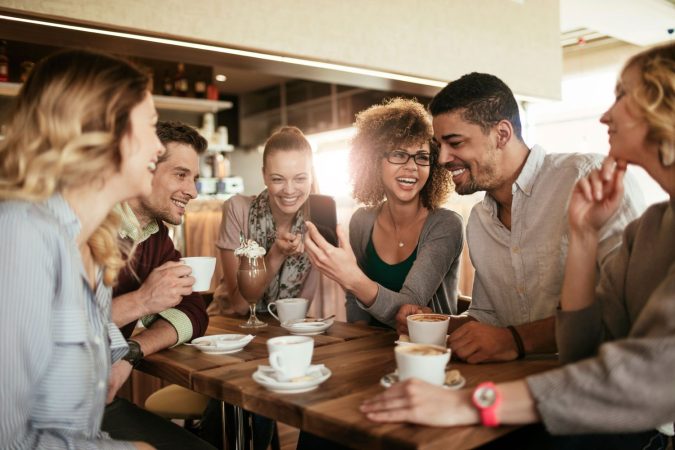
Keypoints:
pixel 622 333
pixel 406 247
pixel 81 138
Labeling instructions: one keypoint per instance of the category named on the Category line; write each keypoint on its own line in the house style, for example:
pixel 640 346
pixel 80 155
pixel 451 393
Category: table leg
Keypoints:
pixel 237 428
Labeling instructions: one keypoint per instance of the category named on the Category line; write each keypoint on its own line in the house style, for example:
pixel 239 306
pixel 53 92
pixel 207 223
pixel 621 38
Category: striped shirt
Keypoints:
pixel 56 336
pixel 519 272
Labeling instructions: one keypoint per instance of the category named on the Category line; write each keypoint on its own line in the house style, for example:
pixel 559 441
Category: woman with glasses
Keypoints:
pixel 405 248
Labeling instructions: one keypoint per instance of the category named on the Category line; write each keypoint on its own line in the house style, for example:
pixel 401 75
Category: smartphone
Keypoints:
pixel 322 213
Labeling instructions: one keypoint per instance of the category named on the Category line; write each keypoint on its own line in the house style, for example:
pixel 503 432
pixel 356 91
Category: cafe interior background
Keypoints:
pixel 237 70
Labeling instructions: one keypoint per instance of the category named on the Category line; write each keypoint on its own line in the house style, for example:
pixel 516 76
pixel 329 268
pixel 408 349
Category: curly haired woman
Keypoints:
pixel 405 248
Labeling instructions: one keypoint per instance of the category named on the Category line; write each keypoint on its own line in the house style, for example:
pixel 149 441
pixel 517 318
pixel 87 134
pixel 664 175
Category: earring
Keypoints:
pixel 667 153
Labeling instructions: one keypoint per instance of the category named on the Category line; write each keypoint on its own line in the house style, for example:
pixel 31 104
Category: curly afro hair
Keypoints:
pixel 395 123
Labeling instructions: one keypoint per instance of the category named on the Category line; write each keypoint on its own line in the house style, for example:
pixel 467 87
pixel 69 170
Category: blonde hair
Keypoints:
pixel 381 128
pixel 64 131
pixel 655 95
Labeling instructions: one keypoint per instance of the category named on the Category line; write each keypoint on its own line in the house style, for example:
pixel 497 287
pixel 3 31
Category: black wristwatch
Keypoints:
pixel 135 353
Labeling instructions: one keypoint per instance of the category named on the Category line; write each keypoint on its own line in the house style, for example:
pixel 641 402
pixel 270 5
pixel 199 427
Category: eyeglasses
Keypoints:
pixel 400 157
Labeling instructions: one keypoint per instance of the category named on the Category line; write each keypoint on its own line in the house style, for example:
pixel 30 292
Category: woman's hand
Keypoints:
pixel 337 263
pixel 596 198
pixel 289 244
pixel 422 403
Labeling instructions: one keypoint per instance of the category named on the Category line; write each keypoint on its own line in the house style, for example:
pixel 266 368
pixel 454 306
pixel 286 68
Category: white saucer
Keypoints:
pixel 222 344
pixel 317 374
pixel 391 378
pixel 307 328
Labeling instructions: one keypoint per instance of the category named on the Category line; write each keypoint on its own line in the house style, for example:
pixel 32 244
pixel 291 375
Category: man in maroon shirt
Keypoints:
pixel 157 287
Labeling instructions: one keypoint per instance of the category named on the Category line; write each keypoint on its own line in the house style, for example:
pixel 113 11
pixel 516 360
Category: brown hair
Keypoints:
pixel 393 124
pixel 178 132
pixel 65 130
pixel 655 95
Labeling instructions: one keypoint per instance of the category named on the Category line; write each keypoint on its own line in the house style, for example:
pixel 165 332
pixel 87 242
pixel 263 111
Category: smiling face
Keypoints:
pixel 288 177
pixel 470 155
pixel 404 182
pixel 626 125
pixel 172 187
pixel 140 148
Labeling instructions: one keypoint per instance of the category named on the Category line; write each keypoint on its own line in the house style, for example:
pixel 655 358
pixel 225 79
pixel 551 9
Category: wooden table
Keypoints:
pixel 358 357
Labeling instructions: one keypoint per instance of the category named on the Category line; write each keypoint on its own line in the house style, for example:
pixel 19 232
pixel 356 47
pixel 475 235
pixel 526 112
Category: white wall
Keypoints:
pixel 572 124
pixel 440 39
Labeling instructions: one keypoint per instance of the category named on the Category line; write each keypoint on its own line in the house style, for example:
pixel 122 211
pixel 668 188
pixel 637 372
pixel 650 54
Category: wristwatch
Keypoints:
pixel 487 398
pixel 135 353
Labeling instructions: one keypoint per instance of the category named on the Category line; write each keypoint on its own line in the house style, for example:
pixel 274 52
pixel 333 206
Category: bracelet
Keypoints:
pixel 518 340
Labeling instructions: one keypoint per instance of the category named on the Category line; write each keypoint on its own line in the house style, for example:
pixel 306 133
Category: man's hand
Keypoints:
pixel 165 287
pixel 477 342
pixel 119 373
pixel 408 310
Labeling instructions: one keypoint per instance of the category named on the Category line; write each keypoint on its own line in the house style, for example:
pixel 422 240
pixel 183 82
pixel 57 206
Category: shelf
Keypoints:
pixel 9 89
pixel 161 101
pixel 190 104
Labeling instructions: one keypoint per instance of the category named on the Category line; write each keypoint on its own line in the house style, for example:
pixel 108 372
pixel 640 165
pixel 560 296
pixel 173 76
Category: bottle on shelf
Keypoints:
pixel 26 68
pixel 4 62
pixel 167 84
pixel 180 81
pixel 200 86
pixel 212 92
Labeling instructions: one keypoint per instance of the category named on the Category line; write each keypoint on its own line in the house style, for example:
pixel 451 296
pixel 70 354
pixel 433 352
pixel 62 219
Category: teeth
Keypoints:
pixel 457 172
pixel 152 166
pixel 406 180
pixel 179 203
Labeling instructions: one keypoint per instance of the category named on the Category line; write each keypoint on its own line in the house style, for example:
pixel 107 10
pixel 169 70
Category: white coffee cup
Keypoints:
pixel 422 361
pixel 428 329
pixel 290 356
pixel 202 270
pixel 289 309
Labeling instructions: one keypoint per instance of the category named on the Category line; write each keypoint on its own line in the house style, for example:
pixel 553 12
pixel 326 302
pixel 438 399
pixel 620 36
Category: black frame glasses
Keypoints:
pixel 401 157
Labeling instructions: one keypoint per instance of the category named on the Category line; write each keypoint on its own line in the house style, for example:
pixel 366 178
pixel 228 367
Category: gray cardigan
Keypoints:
pixel 432 280
pixel 627 384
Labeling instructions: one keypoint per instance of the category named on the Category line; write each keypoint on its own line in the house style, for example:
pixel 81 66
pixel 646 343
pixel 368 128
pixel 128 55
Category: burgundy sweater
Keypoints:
pixel 152 253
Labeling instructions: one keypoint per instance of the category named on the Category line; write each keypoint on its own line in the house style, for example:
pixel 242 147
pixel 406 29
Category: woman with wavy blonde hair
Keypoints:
pixel 405 248
pixel 81 138
pixel 617 337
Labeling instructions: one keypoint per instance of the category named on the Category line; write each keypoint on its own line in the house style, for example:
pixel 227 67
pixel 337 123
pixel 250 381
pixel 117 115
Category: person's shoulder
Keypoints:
pixel 577 161
pixel 364 214
pixel 238 203
pixel 445 215
pixel 24 224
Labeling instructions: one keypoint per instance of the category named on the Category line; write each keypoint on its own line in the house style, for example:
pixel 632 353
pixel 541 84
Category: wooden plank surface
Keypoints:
pixel 358 358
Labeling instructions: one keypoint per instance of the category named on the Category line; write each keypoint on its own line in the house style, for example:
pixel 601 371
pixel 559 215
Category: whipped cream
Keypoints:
pixel 250 249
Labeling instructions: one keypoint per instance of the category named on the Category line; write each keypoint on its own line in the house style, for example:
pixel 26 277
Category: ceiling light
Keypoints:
pixel 221 77
pixel 234 51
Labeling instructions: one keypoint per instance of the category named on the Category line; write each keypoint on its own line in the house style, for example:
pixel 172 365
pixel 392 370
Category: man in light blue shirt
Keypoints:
pixel 517 235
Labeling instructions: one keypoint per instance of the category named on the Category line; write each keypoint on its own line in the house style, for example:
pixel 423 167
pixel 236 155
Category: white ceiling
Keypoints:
pixel 638 22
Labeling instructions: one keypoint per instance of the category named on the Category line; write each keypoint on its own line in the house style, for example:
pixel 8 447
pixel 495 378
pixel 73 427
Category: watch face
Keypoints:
pixel 485 397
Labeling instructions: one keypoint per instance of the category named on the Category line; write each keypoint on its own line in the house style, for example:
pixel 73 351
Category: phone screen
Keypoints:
pixel 322 213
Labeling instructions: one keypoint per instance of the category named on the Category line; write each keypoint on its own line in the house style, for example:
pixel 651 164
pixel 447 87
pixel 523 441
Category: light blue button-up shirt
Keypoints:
pixel 519 272
pixel 57 339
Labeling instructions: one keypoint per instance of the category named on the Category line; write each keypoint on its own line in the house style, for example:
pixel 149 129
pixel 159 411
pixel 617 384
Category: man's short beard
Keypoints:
pixel 160 215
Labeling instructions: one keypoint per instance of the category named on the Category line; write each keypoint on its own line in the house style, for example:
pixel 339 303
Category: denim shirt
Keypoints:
pixel 57 339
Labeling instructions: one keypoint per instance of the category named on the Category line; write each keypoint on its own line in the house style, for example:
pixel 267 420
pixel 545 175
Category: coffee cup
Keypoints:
pixel 289 309
pixel 422 361
pixel 202 271
pixel 290 356
pixel 428 329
